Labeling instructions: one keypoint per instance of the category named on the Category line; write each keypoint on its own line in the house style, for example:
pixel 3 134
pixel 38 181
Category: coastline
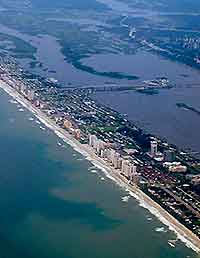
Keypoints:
pixel 184 234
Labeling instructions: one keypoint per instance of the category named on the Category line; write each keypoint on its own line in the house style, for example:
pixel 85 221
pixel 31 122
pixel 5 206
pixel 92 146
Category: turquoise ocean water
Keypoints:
pixel 55 204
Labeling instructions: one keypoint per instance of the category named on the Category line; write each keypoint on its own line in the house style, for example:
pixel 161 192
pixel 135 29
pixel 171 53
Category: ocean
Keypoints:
pixel 55 203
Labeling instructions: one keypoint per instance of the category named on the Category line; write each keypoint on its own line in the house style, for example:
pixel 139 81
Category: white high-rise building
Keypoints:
pixel 100 145
pixel 112 156
pixel 129 169
pixel 126 167
pixel 92 140
pixel 117 161
pixel 97 144
pixel 105 153
pixel 31 94
pixel 133 172
pixel 154 148
pixel 23 89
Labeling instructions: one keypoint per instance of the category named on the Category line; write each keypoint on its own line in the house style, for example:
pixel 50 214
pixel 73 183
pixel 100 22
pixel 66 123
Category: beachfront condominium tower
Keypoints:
pixel 92 140
pixel 154 148
pixel 117 161
pixel 126 167
pixel 133 172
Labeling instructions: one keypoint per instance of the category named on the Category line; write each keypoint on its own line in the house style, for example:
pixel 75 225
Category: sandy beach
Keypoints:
pixel 184 234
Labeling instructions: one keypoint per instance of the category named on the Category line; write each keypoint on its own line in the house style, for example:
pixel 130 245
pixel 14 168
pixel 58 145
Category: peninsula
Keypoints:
pixel 154 171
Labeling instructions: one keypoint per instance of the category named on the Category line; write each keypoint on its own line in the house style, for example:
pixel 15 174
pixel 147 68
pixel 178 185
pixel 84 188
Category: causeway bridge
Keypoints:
pixel 105 87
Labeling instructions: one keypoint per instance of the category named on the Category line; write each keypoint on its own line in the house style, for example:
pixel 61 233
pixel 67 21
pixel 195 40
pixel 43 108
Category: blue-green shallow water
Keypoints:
pixel 52 205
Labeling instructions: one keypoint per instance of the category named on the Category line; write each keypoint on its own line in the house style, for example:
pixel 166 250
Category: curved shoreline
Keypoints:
pixel 113 75
pixel 183 233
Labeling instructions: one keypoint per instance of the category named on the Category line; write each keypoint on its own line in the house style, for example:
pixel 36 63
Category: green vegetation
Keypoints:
pixel 114 75
pixel 61 19
pixel 148 91
pixel 76 42
pixel 19 48
pixel 105 129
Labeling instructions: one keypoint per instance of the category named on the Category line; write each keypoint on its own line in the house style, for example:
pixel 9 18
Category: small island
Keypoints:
pixel 188 107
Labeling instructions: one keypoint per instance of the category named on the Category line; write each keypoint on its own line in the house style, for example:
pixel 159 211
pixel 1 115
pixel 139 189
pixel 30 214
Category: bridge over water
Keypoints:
pixel 106 87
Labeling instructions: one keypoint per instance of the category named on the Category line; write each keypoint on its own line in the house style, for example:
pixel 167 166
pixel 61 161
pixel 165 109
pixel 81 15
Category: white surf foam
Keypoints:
pixel 149 218
pixel 160 229
pixel 182 237
pixel 13 101
pixel 125 198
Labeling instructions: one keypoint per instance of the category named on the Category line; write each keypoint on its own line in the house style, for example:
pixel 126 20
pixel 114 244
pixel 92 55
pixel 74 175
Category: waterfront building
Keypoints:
pixel 31 95
pixel 169 155
pixel 105 153
pixel 117 160
pixel 43 105
pixel 37 103
pixel 67 124
pixel 113 157
pixel 109 154
pixel 178 169
pixel 102 152
pixel 23 89
pixel 195 180
pixel 77 134
pixel 129 170
pixel 17 86
pixel 58 119
pixel 154 148
pixel 92 140
pixel 175 167
pixel 119 163
pixel 99 145
pixel 132 172
pixel 136 179
pixel 126 168
pixel 159 156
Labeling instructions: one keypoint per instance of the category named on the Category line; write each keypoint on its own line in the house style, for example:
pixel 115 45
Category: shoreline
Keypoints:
pixel 183 233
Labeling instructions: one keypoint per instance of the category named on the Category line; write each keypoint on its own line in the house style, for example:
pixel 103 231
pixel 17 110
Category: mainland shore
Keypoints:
pixel 183 233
